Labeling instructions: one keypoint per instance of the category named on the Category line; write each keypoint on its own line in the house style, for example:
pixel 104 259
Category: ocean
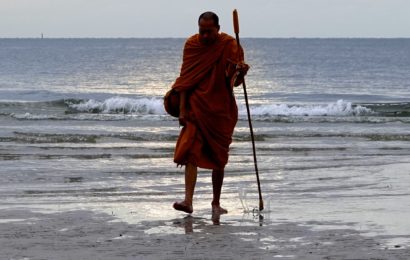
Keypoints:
pixel 82 126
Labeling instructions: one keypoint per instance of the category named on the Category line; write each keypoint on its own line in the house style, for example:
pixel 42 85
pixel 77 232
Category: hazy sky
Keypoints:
pixel 177 18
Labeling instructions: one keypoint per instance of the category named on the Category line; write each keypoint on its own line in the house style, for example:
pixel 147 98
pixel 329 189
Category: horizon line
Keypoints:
pixel 244 37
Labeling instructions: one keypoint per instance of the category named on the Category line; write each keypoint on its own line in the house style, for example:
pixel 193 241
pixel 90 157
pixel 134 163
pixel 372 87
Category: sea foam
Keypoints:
pixel 154 106
pixel 121 105
pixel 339 108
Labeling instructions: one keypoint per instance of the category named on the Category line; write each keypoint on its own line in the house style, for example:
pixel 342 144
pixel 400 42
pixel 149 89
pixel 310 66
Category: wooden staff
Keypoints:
pixel 236 29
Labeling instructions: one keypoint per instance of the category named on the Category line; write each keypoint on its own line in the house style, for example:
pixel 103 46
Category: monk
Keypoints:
pixel 212 65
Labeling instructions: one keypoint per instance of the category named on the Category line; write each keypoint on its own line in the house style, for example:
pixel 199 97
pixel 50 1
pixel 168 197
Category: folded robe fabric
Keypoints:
pixel 212 113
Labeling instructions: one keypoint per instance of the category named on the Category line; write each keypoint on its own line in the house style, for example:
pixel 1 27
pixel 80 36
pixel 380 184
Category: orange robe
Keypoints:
pixel 206 75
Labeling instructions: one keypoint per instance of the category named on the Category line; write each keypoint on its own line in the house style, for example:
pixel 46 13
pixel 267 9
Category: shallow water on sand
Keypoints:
pixel 322 174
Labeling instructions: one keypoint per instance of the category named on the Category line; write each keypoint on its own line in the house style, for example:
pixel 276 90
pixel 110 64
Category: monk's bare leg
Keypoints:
pixel 190 181
pixel 217 181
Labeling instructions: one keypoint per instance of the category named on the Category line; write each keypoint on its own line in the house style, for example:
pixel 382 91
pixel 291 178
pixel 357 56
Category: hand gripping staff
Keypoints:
pixel 236 29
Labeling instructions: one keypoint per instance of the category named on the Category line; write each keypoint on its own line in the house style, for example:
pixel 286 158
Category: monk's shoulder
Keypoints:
pixel 227 37
pixel 192 40
pixel 229 42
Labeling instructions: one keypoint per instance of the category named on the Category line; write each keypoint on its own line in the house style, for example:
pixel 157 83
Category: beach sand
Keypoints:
pixel 151 229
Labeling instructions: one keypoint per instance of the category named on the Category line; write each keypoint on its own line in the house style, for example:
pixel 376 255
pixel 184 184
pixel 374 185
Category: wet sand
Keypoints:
pixel 127 234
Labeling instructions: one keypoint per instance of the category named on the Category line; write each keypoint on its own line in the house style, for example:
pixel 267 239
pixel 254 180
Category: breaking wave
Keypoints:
pixel 155 106
pixel 126 108
pixel 339 108
pixel 121 105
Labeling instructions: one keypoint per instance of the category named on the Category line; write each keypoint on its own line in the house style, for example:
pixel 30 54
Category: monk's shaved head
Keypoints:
pixel 209 16
pixel 208 24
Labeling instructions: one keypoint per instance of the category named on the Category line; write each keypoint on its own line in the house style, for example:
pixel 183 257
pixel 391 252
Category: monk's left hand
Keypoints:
pixel 241 70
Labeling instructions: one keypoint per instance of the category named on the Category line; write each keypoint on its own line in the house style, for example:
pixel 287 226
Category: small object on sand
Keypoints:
pixel 242 197
pixel 257 212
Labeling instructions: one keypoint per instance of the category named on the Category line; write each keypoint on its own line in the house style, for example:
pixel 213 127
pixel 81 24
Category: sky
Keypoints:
pixel 178 18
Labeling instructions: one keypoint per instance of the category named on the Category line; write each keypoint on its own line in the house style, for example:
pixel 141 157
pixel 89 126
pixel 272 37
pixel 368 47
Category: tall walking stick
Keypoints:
pixel 236 28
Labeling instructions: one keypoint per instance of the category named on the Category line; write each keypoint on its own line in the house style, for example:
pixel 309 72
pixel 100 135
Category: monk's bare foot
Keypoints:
pixel 183 206
pixel 218 210
pixel 216 219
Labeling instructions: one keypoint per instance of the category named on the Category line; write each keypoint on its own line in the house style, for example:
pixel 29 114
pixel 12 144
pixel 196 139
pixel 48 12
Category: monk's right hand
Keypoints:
pixel 182 107
pixel 182 118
